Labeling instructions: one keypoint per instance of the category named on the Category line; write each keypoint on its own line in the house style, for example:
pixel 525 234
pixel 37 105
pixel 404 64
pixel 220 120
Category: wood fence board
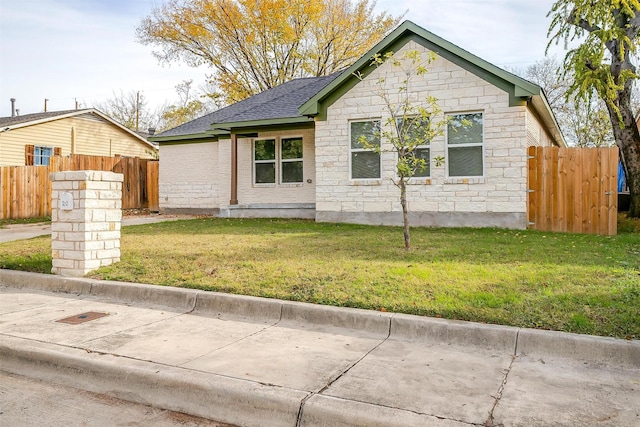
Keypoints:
pixel 574 189
pixel 25 191
pixel 153 194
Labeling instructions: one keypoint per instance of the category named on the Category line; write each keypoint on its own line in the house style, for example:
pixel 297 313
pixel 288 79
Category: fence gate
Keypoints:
pixel 573 189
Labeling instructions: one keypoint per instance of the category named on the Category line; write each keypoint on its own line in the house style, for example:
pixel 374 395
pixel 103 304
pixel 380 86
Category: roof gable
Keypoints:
pixel 518 88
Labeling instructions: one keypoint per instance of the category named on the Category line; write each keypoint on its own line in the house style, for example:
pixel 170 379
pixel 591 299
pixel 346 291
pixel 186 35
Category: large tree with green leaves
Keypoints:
pixel 608 33
pixel 254 45
pixel 584 124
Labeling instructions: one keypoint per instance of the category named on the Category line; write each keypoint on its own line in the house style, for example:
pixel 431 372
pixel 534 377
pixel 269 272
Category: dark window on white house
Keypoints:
pixel 291 160
pixel 465 140
pixel 264 161
pixel 365 162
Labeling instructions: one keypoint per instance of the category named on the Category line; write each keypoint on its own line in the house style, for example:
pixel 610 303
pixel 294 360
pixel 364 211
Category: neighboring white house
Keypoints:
pixel 287 152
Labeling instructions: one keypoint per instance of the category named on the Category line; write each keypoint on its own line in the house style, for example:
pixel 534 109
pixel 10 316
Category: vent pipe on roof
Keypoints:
pixel 13 107
pixel 17 111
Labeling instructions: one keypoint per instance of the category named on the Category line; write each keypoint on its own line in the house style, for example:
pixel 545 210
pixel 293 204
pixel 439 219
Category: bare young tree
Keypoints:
pixel 410 126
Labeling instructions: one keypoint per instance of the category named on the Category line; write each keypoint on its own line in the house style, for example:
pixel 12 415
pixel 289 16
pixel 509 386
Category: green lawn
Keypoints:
pixel 569 282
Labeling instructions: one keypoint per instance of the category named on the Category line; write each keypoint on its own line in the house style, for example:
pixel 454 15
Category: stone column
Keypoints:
pixel 86 215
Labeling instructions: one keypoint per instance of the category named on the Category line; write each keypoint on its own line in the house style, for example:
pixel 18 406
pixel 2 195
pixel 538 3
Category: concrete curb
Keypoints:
pixel 518 341
pixel 236 401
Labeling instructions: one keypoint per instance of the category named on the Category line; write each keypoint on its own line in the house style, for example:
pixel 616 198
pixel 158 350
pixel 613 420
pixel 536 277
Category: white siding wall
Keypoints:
pixel 93 136
pixel 189 177
pixel 500 195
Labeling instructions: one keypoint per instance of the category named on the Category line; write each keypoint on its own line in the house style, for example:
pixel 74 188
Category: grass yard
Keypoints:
pixel 569 282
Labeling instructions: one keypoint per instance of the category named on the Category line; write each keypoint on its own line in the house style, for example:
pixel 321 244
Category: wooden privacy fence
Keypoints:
pixel 573 189
pixel 25 191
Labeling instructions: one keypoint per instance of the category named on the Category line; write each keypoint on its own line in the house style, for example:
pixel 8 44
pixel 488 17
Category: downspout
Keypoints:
pixel 234 169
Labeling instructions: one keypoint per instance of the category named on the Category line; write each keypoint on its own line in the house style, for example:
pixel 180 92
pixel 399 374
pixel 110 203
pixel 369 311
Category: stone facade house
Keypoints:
pixel 31 139
pixel 289 151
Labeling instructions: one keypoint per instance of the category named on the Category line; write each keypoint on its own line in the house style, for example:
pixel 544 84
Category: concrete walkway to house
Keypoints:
pixel 28 231
pixel 259 362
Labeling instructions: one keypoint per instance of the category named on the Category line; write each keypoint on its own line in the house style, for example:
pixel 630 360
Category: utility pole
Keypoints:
pixel 137 109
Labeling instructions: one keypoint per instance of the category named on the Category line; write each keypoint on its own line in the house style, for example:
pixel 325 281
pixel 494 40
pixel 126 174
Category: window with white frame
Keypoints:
pixel 264 161
pixel 365 162
pixel 41 155
pixel 413 129
pixel 273 158
pixel 465 136
pixel 291 160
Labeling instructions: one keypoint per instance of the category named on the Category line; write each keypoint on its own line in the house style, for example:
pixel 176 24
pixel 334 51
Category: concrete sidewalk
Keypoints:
pixel 29 231
pixel 259 362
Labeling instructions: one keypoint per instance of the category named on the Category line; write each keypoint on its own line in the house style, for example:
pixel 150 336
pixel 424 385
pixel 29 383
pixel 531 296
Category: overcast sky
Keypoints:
pixel 85 50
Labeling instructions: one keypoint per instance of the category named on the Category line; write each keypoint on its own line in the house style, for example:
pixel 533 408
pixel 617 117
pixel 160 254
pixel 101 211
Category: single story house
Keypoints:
pixel 292 151
pixel 32 139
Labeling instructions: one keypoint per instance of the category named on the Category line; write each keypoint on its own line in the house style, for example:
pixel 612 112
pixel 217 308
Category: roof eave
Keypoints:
pixel 230 126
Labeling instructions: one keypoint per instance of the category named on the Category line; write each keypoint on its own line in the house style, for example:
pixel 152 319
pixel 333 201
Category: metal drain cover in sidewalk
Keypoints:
pixel 81 318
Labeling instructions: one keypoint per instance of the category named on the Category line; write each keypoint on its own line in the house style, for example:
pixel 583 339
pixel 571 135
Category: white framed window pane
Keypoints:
pixel 465 129
pixel 423 154
pixel 265 173
pixel 41 155
pixel 264 149
pixel 365 165
pixel 370 130
pixel 291 148
pixel 291 172
pixel 465 161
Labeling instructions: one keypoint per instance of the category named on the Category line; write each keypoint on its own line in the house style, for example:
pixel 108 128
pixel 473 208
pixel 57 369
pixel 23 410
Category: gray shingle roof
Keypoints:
pixel 280 102
pixel 16 120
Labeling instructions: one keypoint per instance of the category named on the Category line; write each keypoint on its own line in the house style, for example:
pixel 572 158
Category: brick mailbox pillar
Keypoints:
pixel 86 215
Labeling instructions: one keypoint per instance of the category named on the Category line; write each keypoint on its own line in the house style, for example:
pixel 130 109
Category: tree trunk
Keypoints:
pixel 627 138
pixel 405 213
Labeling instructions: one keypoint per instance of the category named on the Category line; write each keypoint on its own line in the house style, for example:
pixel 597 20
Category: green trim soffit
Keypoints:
pixel 227 127
pixel 179 138
pixel 519 89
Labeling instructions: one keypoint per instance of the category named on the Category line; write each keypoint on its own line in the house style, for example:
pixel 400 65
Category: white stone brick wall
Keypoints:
pixel 87 236
pixel 189 176
pixel 501 189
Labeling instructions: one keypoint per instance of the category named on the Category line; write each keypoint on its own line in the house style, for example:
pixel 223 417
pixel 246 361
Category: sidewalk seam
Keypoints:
pixel 489 422
pixel 344 372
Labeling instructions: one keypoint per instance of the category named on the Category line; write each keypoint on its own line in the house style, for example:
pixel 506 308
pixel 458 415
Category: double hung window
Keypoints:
pixel 465 137
pixel 278 160
pixel 413 130
pixel 365 161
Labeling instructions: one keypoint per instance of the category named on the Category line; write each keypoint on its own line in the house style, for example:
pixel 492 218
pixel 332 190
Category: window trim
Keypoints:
pixel 426 146
pixel 278 160
pixel 364 150
pixel 466 145
pixel 273 161
pixel 300 159
pixel 40 157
